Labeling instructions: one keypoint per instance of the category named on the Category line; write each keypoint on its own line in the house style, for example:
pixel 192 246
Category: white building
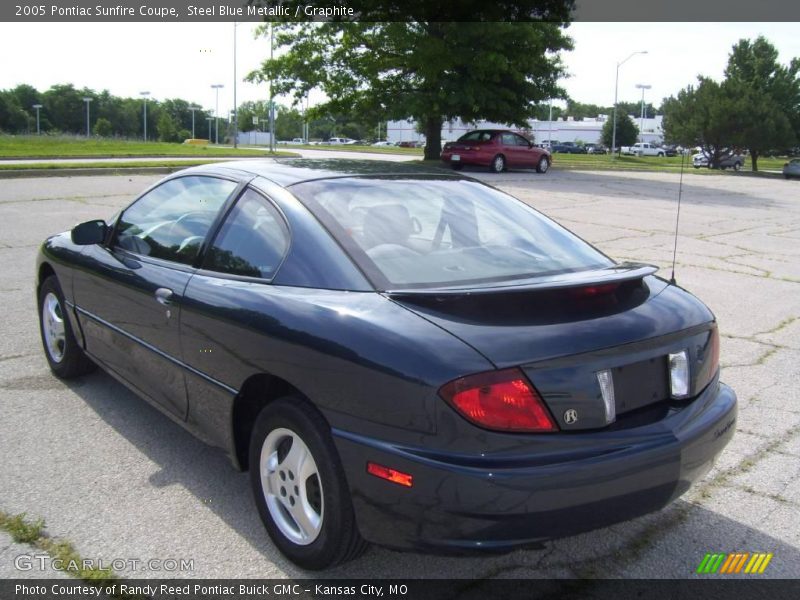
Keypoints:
pixel 560 130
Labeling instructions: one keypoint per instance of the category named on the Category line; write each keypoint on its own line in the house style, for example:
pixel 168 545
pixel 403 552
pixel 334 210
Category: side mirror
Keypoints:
pixel 89 233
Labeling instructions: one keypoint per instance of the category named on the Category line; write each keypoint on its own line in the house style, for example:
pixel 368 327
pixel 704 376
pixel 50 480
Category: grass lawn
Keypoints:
pixel 108 164
pixel 32 146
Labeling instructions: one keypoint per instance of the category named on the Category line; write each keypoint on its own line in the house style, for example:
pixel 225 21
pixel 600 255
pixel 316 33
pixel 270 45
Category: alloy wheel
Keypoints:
pixel 292 486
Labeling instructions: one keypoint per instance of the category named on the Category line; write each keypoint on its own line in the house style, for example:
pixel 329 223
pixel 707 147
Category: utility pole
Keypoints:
pixel 37 107
pixel 216 87
pixel 145 95
pixel 87 100
pixel 616 88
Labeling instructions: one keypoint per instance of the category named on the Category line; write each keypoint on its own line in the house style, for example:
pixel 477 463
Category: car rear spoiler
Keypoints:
pixel 616 274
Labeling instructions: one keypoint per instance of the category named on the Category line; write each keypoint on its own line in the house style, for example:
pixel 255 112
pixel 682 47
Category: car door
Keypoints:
pixel 229 305
pixel 511 150
pixel 528 155
pixel 129 293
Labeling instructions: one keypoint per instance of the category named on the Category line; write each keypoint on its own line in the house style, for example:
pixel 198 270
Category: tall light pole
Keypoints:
pixel 144 119
pixel 643 87
pixel 271 97
pixel 193 108
pixel 87 100
pixel 550 128
pixel 37 107
pixel 217 87
pixel 616 87
pixel 209 119
pixel 235 108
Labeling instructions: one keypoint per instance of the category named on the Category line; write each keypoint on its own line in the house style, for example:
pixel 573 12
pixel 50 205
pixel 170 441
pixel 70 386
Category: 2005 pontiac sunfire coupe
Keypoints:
pixel 401 356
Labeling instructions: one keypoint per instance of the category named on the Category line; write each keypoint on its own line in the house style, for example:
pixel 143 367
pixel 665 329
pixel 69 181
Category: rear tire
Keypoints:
pixel 737 166
pixel 543 165
pixel 299 486
pixel 498 164
pixel 65 357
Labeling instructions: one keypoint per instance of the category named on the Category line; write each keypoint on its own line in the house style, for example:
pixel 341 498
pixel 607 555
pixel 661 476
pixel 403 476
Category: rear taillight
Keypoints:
pixel 499 400
pixel 713 351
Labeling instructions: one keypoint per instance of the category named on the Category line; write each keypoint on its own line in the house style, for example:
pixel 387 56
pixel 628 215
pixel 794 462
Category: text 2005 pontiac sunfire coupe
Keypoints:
pixel 401 356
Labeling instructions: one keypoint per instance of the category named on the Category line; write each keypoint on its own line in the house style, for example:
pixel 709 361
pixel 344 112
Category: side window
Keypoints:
pixel 252 241
pixel 172 220
pixel 508 139
pixel 521 141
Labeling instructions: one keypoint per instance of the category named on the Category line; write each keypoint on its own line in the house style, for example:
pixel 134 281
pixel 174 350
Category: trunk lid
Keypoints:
pixel 561 331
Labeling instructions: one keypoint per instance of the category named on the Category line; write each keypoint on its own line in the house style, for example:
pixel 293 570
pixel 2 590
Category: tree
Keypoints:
pixel 429 71
pixel 768 96
pixel 627 131
pixel 704 115
pixel 167 129
pixel 756 107
pixel 103 128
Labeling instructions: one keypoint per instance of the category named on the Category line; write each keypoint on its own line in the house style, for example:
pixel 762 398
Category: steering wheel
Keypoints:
pixel 197 216
pixel 189 240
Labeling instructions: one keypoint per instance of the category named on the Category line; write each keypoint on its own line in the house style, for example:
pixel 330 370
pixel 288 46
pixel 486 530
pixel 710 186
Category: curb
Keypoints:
pixel 80 172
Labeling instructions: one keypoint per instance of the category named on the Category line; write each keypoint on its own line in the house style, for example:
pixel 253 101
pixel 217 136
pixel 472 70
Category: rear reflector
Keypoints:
pixel 388 474
pixel 499 400
pixel 607 390
pixel 679 374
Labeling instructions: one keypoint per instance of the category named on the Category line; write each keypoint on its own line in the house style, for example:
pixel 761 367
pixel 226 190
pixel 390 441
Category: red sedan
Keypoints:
pixel 497 149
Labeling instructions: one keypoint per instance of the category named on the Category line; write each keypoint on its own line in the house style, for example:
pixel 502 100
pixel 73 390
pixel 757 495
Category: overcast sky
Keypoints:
pixel 183 59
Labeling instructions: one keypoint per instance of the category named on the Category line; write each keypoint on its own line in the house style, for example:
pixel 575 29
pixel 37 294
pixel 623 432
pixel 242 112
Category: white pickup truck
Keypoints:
pixel 643 149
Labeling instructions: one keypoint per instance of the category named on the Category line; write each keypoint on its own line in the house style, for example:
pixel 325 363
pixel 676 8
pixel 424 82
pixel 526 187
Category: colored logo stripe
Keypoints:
pixel 734 562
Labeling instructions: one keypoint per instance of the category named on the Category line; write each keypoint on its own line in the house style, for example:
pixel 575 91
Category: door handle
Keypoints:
pixel 164 296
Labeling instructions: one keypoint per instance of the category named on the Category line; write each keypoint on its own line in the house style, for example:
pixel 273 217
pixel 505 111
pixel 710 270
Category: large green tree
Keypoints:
pixel 627 132
pixel 768 96
pixel 429 71
pixel 703 115
pixel 756 106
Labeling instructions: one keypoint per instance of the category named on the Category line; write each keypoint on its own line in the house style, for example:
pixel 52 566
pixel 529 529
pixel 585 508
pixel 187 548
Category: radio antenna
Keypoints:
pixel 677 218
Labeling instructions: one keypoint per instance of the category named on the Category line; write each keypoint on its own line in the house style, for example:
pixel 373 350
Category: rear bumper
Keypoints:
pixel 503 500
pixel 467 158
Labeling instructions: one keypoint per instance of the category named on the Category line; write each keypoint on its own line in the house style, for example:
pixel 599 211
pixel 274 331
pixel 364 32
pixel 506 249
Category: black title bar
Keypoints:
pixel 134 11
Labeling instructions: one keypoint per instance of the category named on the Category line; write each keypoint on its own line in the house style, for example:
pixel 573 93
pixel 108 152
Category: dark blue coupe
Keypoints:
pixel 398 355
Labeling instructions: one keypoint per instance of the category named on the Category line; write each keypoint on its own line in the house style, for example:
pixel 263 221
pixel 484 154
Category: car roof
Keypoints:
pixel 489 131
pixel 290 171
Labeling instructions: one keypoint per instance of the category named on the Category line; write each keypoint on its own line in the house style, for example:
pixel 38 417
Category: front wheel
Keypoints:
pixel 737 166
pixel 64 355
pixel 498 164
pixel 543 165
pixel 299 486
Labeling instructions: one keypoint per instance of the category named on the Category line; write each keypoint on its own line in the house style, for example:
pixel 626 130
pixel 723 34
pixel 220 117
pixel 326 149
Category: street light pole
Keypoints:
pixel 144 95
pixel 271 97
pixel 37 107
pixel 87 100
pixel 235 108
pixel 216 87
pixel 616 87
pixel 209 119
pixel 642 87
pixel 193 108
pixel 550 128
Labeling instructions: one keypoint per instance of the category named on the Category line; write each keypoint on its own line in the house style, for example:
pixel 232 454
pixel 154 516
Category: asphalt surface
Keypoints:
pixel 120 481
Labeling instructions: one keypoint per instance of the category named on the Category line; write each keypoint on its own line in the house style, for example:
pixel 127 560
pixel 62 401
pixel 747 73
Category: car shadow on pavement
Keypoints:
pixel 670 543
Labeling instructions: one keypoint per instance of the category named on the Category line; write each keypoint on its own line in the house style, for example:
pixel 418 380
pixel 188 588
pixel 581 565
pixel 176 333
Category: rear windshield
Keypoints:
pixel 476 136
pixel 429 233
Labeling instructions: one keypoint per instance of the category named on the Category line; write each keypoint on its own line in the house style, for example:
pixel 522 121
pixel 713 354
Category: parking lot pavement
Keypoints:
pixel 119 480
